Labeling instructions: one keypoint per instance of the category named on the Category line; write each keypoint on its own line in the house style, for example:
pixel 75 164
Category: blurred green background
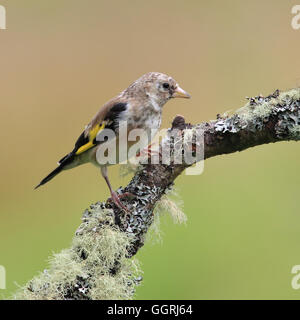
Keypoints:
pixel 64 57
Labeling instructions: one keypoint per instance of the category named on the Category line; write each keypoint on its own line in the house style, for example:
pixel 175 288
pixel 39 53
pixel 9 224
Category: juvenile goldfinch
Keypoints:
pixel 139 106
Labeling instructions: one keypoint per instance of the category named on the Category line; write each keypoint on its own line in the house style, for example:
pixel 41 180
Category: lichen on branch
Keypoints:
pixel 100 264
pixel 96 266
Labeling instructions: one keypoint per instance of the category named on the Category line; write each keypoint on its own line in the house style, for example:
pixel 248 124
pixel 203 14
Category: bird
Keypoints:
pixel 139 106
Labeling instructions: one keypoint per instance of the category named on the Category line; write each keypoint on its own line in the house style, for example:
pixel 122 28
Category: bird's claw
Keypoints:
pixel 149 152
pixel 116 199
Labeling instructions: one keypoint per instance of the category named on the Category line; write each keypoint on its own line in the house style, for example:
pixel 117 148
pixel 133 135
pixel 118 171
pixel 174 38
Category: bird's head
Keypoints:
pixel 158 87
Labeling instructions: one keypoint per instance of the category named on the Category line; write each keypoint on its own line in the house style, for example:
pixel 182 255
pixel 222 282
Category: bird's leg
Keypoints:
pixel 114 196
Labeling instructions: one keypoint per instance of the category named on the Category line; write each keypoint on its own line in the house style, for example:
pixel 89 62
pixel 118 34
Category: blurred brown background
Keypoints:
pixel 62 58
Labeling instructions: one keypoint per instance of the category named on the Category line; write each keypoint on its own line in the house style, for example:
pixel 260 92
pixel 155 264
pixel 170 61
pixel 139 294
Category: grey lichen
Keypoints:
pixel 289 116
pixel 295 132
pixel 259 110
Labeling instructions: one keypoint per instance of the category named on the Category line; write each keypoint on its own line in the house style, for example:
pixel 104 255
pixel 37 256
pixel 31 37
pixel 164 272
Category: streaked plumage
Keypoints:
pixel 140 105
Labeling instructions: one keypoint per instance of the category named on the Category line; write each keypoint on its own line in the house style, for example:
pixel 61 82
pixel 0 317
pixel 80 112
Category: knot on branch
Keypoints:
pixel 180 124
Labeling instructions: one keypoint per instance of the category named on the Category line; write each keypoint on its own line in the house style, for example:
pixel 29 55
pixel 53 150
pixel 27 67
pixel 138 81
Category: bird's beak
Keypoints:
pixel 180 93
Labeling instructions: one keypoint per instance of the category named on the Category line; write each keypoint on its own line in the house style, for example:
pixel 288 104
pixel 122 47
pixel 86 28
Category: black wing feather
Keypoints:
pixel 113 116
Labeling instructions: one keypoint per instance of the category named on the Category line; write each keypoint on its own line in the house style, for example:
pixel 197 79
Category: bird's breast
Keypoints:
pixel 143 118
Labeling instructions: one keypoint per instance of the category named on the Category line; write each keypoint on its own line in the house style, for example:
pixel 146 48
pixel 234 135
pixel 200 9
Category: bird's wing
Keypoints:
pixel 84 142
pixel 107 118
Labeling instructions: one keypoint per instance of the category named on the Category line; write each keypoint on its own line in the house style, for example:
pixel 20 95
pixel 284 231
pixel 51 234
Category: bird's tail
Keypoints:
pixel 50 176
pixel 61 164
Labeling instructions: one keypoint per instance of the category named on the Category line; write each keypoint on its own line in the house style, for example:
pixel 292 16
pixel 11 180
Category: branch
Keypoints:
pixel 99 263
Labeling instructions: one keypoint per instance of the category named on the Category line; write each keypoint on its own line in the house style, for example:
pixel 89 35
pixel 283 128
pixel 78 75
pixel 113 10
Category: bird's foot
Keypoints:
pixel 127 195
pixel 149 152
pixel 116 199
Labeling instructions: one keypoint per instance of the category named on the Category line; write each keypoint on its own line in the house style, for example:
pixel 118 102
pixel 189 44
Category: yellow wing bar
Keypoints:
pixel 92 135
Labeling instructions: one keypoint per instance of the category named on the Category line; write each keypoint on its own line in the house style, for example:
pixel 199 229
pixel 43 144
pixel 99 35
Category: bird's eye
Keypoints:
pixel 166 85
